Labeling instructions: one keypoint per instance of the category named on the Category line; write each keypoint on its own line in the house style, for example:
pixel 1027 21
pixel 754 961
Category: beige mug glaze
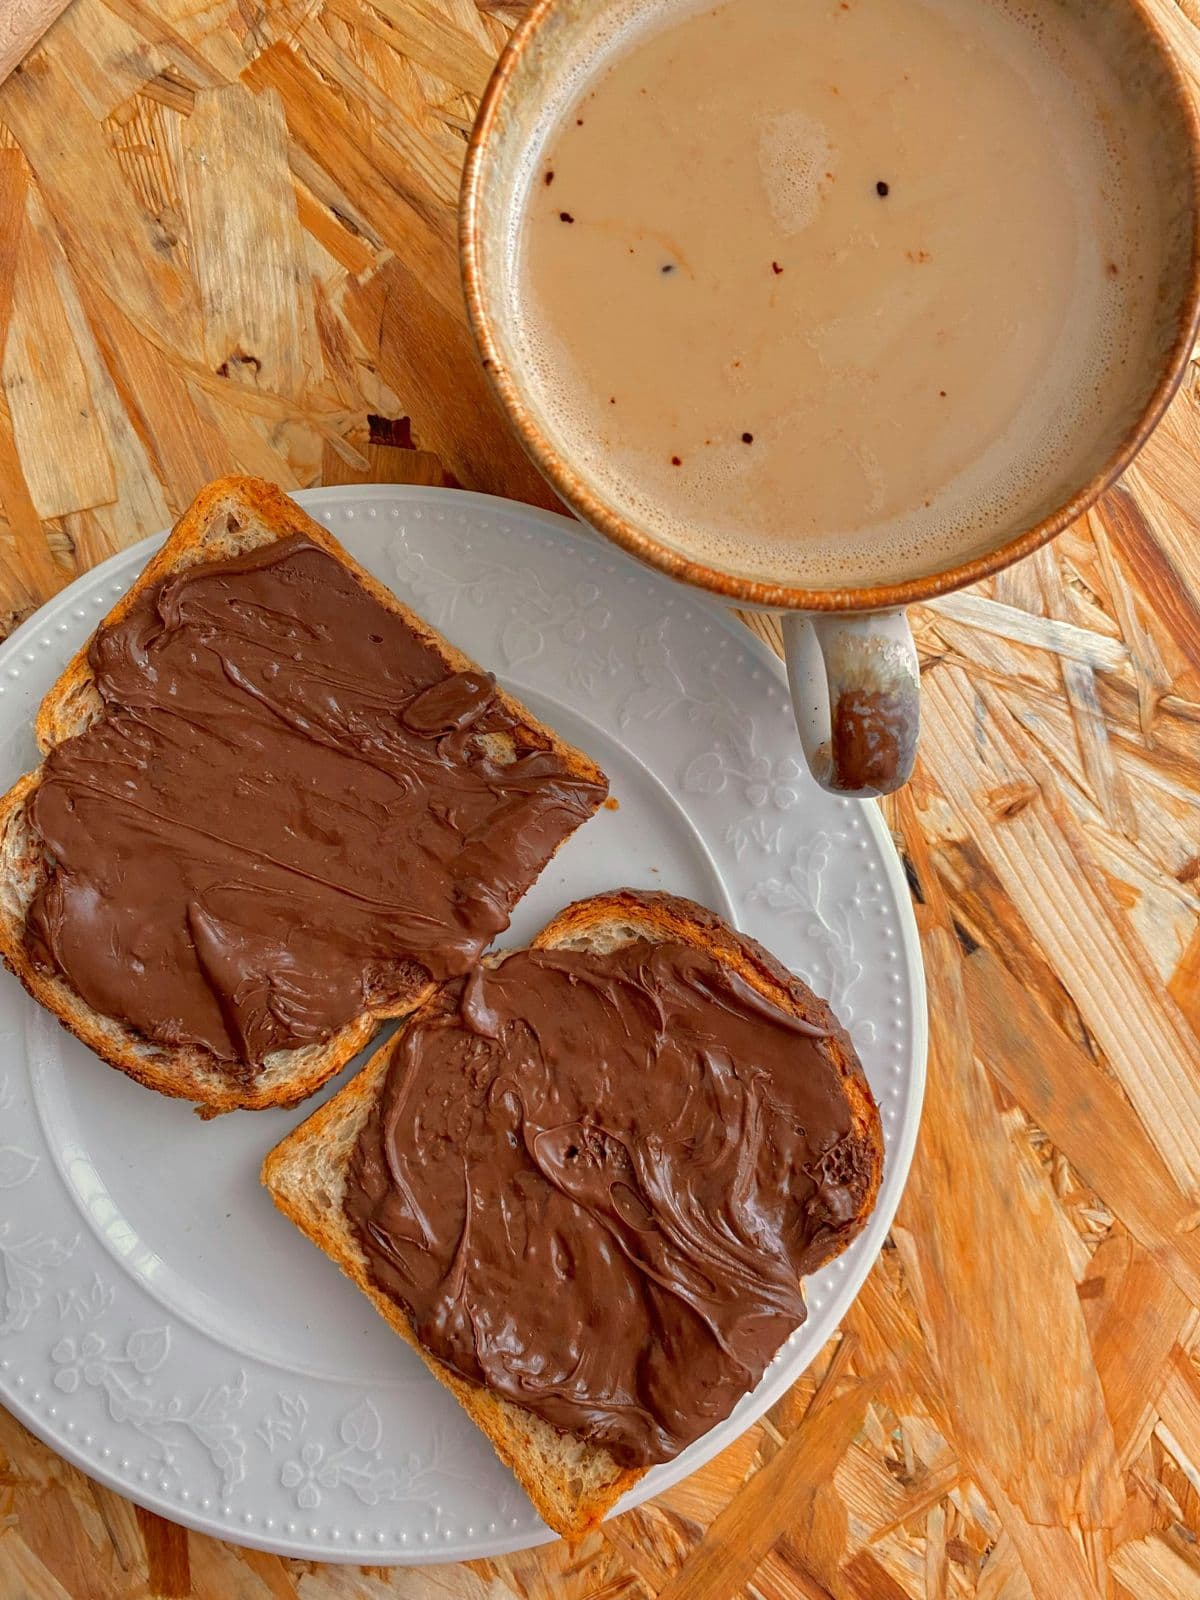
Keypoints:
pixel 851 661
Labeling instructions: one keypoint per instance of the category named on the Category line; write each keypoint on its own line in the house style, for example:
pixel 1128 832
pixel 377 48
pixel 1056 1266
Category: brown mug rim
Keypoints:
pixel 572 488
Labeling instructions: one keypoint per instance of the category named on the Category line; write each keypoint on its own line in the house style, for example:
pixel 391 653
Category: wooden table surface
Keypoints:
pixel 227 243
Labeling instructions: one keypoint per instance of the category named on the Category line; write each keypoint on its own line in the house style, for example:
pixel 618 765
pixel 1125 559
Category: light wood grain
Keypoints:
pixel 227 243
pixel 22 24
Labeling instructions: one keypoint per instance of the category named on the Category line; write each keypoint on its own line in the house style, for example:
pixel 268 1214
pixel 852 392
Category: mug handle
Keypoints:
pixel 856 692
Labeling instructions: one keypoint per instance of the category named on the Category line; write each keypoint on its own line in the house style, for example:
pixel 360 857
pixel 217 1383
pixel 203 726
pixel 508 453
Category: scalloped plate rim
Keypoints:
pixel 901 1144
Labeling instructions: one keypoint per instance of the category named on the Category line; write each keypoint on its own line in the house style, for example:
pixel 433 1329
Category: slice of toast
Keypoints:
pixel 230 517
pixel 571 1482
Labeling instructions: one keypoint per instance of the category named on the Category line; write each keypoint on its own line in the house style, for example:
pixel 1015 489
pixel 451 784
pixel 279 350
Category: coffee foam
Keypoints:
pixel 1072 420
pixel 797 159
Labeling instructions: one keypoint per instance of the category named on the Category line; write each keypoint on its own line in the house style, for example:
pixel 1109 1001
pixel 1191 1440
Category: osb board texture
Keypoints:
pixel 227 243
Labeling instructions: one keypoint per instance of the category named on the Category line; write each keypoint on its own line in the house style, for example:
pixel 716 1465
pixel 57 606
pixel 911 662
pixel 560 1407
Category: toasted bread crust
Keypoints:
pixel 572 1484
pixel 229 516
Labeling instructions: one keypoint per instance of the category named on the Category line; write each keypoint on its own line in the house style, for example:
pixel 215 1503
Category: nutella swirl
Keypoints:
pixel 289 811
pixel 595 1182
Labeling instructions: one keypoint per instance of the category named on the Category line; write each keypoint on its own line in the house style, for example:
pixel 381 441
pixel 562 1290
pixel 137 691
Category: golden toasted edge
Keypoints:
pixel 207 532
pixel 525 1442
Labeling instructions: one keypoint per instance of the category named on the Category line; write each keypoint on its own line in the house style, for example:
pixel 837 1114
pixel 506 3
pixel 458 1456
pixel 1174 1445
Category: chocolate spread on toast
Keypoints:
pixel 595 1182
pixel 288 812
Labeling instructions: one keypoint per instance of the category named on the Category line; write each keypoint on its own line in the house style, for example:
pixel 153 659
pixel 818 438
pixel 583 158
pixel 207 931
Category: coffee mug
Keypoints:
pixel 852 664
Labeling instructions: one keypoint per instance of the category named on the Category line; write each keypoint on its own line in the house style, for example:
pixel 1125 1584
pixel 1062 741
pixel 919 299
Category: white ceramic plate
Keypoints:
pixel 161 1325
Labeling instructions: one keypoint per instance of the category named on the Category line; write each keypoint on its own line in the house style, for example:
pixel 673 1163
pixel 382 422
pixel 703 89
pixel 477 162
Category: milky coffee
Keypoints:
pixel 815 288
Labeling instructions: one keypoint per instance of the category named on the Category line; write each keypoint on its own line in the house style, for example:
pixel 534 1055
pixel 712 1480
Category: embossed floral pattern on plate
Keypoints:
pixel 248 1442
